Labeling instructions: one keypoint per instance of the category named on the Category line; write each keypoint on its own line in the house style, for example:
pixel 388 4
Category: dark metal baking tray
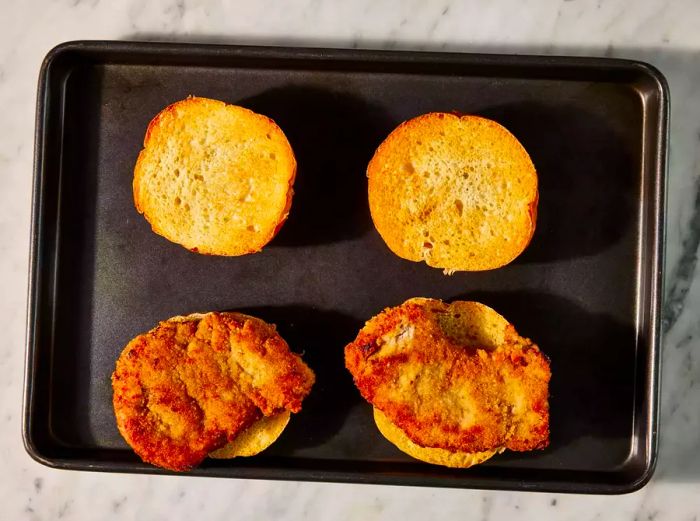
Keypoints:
pixel 587 290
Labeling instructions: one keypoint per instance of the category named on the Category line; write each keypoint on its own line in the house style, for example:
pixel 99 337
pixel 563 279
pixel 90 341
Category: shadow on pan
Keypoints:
pixel 593 367
pixel 320 337
pixel 77 238
pixel 592 359
pixel 333 136
pixel 586 167
pixel 588 176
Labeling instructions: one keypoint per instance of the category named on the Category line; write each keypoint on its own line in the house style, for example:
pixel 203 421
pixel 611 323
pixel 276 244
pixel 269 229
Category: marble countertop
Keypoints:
pixel 663 33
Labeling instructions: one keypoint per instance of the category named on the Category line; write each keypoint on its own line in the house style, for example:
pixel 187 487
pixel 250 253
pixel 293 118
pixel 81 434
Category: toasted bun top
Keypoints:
pixel 213 177
pixel 458 192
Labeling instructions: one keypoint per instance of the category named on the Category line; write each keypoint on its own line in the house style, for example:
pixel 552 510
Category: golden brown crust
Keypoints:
pixel 453 376
pixel 444 457
pixel 216 178
pixel 193 384
pixel 458 192
pixel 256 438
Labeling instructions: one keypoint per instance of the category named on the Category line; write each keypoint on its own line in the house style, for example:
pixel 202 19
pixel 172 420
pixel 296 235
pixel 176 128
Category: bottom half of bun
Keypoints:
pixel 436 456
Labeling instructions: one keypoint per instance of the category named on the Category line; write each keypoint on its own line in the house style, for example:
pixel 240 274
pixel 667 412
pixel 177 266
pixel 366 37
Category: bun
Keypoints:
pixel 457 192
pixel 214 178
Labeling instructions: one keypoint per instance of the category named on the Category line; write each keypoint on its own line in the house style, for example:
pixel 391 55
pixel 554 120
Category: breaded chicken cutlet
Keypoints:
pixel 453 376
pixel 193 384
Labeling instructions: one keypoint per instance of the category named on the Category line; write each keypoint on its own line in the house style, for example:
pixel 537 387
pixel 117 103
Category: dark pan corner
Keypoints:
pixel 635 475
pixel 36 452
pixel 657 80
pixel 57 52
pixel 59 59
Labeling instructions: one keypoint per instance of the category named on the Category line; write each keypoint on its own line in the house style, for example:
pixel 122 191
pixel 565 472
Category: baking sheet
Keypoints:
pixel 587 289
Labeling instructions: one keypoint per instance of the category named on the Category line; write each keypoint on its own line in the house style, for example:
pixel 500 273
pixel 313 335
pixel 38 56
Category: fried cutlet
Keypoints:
pixel 453 376
pixel 256 438
pixel 447 458
pixel 192 384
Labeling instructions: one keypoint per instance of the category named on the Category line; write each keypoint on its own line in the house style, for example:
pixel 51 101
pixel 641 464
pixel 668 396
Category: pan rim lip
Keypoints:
pixel 654 263
pixel 321 53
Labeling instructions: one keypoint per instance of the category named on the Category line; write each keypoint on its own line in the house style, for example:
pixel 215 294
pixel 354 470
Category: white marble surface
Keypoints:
pixel 665 33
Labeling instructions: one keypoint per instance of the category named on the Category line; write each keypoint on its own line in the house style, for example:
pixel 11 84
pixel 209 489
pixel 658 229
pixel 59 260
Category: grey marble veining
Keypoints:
pixel 663 33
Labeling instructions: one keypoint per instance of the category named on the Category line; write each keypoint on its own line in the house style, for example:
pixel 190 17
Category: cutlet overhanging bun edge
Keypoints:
pixel 213 177
pixel 258 433
pixel 458 192
pixel 466 325
pixel 262 433
pixel 256 438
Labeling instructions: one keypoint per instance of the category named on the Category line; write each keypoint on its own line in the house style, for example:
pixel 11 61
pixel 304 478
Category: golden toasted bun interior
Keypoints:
pixel 457 192
pixel 430 455
pixel 469 323
pixel 255 438
pixel 214 178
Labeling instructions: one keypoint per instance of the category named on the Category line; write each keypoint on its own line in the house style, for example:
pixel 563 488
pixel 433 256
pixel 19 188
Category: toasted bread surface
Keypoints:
pixel 195 383
pixel 213 177
pixel 458 192
pixel 435 456
pixel 256 438
pixel 453 376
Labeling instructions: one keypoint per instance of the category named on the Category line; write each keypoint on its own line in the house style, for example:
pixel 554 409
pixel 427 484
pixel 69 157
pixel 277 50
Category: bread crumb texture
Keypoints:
pixel 457 192
pixel 256 438
pixel 194 384
pixel 453 376
pixel 444 457
pixel 213 177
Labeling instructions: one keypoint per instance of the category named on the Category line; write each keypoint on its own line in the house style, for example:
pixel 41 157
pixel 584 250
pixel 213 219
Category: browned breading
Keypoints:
pixel 453 376
pixel 193 383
